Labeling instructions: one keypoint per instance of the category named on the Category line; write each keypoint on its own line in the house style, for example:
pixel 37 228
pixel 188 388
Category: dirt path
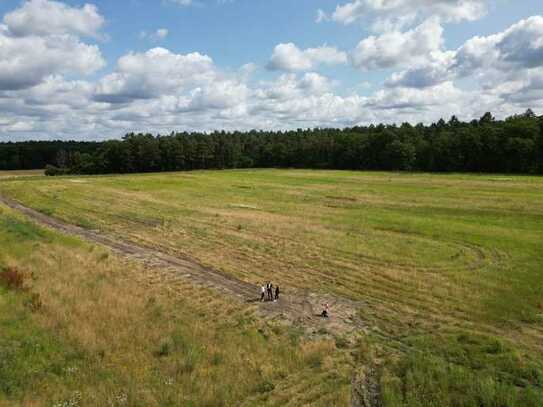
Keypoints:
pixel 296 306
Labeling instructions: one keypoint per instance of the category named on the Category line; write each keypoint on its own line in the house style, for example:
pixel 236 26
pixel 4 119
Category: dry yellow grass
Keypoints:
pixel 150 337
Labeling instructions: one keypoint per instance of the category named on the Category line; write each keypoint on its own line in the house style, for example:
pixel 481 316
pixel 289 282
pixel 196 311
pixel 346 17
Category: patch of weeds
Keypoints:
pixel 84 223
pixel 314 360
pixel 216 359
pixel 47 211
pixel 190 359
pixel 265 386
pixel 471 367
pixel 29 356
pixel 342 342
pixel 277 329
pixel 21 230
pixel 295 334
pixel 73 401
pixel 155 309
pixel 179 341
pixel 165 348
pixel 263 332
pixel 322 331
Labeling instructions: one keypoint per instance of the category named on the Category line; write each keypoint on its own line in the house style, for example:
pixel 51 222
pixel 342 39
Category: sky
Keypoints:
pixel 98 70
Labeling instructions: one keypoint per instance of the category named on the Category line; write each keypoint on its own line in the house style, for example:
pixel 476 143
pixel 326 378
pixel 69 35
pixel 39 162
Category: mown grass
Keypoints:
pixel 88 329
pixel 432 256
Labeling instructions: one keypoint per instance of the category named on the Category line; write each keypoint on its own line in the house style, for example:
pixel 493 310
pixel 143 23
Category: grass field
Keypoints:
pixel 449 267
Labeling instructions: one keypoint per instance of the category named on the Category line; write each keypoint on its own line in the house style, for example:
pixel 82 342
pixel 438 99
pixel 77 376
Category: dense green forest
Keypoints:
pixel 34 155
pixel 513 145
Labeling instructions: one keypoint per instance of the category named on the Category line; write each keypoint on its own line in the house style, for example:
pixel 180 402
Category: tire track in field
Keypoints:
pixel 296 306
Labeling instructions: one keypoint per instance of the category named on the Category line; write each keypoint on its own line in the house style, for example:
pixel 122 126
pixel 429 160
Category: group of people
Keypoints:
pixel 269 292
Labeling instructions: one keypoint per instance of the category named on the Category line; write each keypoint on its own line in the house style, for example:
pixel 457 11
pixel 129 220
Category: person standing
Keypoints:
pixel 269 290
pixel 277 291
pixel 263 293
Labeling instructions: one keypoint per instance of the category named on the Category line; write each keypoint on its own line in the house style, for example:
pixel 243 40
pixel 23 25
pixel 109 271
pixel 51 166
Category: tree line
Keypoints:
pixel 35 155
pixel 513 145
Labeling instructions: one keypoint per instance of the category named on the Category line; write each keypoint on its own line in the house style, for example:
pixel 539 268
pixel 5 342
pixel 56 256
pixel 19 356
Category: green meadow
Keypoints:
pixel 449 269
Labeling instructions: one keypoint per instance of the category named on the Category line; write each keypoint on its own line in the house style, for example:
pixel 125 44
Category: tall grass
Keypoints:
pixel 111 332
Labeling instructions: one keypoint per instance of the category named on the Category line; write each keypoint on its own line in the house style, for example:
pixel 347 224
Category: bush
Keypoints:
pixel 12 279
pixel 52 171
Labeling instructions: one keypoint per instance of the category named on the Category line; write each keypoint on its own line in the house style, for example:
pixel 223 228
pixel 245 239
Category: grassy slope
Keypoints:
pixel 109 333
pixel 443 262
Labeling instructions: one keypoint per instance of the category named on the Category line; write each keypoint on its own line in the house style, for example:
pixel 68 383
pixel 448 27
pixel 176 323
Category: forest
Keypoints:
pixel 512 145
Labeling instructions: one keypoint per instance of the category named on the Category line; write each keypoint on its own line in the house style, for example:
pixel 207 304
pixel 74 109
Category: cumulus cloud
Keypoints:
pixel 387 15
pixel 495 57
pixel 154 73
pixel 26 61
pixel 47 17
pixel 41 38
pixel 521 45
pixel 43 91
pixel 396 48
pixel 288 57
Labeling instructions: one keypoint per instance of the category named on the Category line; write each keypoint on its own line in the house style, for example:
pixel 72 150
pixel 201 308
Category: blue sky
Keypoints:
pixel 97 70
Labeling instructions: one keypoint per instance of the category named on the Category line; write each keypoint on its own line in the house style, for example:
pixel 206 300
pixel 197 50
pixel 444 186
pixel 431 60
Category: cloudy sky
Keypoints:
pixel 75 70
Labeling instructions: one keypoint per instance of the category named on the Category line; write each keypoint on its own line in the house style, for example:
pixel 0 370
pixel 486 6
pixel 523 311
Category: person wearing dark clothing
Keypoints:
pixel 277 293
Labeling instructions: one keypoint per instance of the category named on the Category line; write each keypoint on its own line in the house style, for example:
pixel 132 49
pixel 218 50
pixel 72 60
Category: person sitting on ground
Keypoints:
pixel 325 311
pixel 277 293
pixel 263 293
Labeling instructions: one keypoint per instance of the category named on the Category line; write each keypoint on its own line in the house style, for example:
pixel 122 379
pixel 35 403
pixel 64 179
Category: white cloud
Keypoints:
pixel 46 17
pixel 521 45
pixel 41 38
pixel 435 70
pixel 154 73
pixel 42 91
pixel 396 48
pixel 492 59
pixel 26 61
pixel 158 35
pixel 289 57
pixel 397 14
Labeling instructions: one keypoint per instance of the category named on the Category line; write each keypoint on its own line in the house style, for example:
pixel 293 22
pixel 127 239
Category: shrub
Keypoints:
pixel 12 279
pixel 264 386
pixel 52 171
